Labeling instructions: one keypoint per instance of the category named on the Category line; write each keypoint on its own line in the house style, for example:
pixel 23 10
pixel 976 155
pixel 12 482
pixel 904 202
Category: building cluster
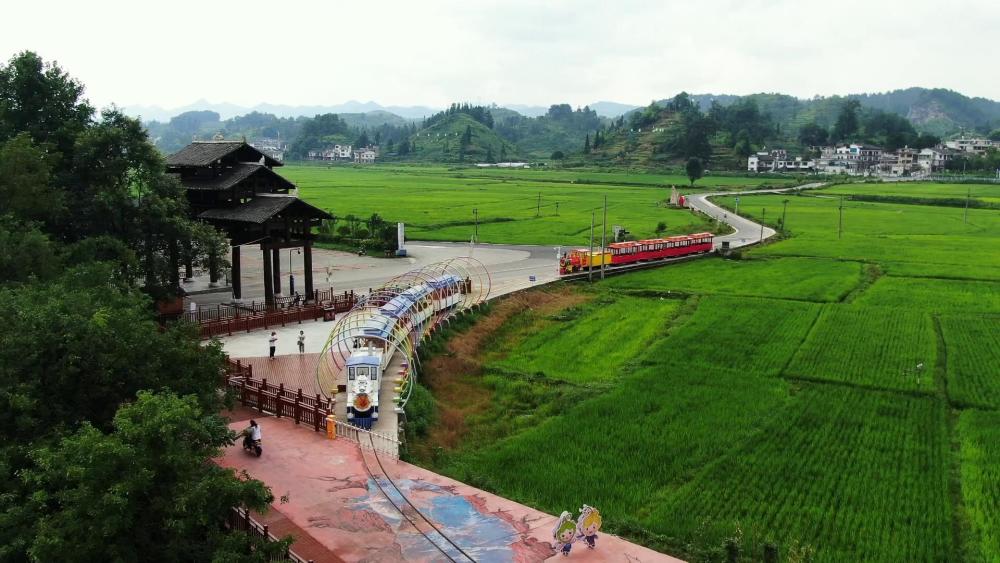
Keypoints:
pixel 272 147
pixel 868 160
pixel 362 155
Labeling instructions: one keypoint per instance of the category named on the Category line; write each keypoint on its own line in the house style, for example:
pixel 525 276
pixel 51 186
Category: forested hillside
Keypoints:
pixel 722 130
pixel 936 111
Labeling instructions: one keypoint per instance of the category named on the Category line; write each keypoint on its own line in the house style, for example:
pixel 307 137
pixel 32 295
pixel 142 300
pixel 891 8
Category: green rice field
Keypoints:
pixel 770 403
pixel 514 206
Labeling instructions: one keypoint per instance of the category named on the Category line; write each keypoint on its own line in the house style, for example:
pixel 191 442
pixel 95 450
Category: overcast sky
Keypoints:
pixel 171 53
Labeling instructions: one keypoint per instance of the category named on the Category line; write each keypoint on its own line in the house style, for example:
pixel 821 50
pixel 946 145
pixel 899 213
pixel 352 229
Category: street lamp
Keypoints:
pixel 291 275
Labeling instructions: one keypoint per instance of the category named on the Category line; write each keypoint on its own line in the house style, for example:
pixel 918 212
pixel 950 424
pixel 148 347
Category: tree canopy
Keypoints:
pixel 107 420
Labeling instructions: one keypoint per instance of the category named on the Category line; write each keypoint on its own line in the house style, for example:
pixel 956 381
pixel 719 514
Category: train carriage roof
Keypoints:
pixel 444 281
pixel 365 358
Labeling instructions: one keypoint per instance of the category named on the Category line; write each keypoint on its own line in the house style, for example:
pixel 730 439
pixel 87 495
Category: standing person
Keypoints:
pixel 302 342
pixel 272 343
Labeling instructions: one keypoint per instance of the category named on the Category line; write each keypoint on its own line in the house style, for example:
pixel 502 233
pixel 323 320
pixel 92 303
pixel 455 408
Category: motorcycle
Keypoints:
pixel 252 446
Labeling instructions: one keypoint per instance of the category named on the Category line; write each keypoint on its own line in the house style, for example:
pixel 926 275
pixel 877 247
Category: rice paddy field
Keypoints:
pixel 514 206
pixel 826 399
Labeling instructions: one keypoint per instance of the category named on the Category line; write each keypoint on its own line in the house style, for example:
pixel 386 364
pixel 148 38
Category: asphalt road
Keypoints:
pixel 747 232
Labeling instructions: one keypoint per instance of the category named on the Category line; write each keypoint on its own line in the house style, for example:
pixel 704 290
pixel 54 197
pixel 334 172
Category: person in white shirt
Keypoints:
pixel 251 435
pixel 272 342
pixel 302 342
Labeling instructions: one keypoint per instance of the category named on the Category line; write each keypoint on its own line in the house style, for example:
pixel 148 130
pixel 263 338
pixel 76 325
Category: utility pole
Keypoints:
pixel 590 257
pixel 840 221
pixel 737 212
pixel 763 213
pixel 475 236
pixel 968 196
pixel 784 214
pixel 604 235
pixel 538 208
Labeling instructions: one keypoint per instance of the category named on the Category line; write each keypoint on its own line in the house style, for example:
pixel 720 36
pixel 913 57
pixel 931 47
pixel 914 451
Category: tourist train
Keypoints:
pixel 631 252
pixel 393 316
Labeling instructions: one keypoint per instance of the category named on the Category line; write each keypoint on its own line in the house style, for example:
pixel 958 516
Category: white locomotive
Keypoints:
pixel 407 316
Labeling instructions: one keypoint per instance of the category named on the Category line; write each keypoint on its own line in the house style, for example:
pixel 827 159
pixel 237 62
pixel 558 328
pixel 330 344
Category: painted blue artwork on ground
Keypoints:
pixel 485 537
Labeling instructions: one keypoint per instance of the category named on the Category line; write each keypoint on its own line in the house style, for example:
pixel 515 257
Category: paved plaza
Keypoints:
pixel 510 268
pixel 331 497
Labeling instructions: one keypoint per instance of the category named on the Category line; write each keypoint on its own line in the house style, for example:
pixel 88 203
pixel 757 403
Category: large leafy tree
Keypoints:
pixel 141 491
pixel 86 212
pixel 695 169
pixel 848 123
pixel 26 176
pixel 39 99
pixel 84 177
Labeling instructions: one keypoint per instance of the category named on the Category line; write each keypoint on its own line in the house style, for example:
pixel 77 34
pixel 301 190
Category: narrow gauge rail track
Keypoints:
pixel 623 268
pixel 421 523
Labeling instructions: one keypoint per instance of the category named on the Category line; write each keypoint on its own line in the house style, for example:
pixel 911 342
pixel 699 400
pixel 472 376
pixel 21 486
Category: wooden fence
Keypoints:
pixel 227 319
pixel 239 520
pixel 303 409
pixel 281 402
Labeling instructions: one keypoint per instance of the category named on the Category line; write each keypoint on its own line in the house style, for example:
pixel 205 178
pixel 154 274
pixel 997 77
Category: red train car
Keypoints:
pixel 621 253
pixel 655 249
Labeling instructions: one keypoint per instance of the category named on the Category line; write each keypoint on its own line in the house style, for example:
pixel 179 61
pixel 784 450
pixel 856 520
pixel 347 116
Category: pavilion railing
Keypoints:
pixel 240 520
pixel 227 319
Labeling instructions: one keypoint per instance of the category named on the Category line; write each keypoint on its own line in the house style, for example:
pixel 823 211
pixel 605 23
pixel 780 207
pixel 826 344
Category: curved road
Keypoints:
pixel 746 232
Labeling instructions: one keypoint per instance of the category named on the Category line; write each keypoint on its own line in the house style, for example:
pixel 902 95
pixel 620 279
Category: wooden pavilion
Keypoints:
pixel 233 186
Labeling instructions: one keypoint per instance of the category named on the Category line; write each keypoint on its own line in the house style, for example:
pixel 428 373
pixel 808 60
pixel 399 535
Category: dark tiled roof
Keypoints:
pixel 262 208
pixel 203 153
pixel 232 176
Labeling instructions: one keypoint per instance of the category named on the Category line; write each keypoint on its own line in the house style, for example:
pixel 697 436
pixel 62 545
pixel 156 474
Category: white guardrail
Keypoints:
pixel 381 443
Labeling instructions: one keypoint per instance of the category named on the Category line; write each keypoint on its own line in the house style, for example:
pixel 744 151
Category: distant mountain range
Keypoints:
pixel 227 110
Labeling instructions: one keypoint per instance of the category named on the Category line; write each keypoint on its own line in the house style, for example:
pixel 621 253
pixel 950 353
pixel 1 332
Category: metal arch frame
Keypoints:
pixel 398 333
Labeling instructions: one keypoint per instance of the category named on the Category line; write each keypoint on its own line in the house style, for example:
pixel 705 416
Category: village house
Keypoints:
pixel 777 160
pixel 935 159
pixel 336 152
pixel 976 146
pixel 366 155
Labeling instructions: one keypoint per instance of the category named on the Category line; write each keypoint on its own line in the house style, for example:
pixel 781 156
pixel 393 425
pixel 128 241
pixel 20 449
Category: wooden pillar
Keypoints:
pixel 268 277
pixel 237 287
pixel 276 269
pixel 175 275
pixel 307 265
pixel 188 262
pixel 213 269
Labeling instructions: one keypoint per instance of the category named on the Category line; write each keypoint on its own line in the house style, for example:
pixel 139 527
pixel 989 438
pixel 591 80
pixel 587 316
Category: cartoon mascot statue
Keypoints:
pixel 564 533
pixel 588 524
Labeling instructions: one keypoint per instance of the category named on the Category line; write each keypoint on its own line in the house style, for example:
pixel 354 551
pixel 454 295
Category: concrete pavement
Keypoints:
pixel 510 267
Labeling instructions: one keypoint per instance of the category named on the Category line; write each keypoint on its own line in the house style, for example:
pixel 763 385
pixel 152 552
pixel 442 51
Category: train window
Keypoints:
pixel 350 374
pixel 374 374
pixel 363 371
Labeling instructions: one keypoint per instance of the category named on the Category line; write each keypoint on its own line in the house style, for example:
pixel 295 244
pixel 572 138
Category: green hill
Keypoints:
pixel 459 138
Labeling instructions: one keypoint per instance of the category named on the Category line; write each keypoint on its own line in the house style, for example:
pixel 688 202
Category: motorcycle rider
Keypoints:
pixel 251 435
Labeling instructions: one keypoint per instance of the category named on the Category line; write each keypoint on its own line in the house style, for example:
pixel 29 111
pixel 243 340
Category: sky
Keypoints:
pixel 171 53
